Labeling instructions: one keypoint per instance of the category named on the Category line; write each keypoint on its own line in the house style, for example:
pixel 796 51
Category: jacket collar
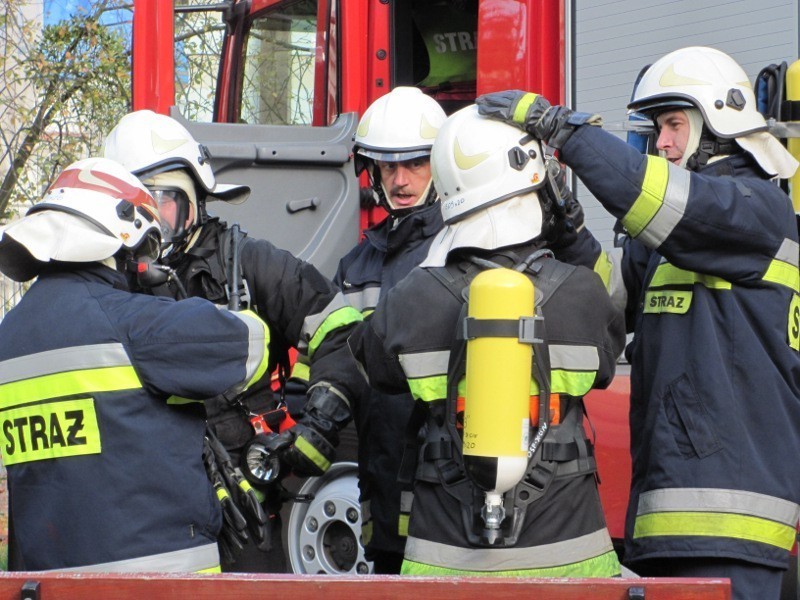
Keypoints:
pixel 735 165
pixel 420 224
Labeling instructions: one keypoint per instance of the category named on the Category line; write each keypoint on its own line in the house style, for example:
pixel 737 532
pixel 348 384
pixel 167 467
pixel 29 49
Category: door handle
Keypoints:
pixel 294 206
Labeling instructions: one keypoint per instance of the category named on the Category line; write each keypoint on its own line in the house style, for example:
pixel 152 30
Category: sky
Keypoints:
pixel 58 10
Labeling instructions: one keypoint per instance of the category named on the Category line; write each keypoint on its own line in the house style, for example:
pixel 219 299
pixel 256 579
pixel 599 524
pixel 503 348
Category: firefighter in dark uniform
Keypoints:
pixel 101 435
pixel 499 211
pixel 303 309
pixel 711 273
pixel 393 144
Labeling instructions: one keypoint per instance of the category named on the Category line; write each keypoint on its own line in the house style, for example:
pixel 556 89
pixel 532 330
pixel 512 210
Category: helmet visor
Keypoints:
pixel 395 156
pixel 173 206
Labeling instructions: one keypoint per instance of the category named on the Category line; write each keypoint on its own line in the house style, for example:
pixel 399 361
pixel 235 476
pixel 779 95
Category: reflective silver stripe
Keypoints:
pixel 366 513
pixel 672 208
pixel 406 501
pixel 365 299
pixel 189 560
pixel 789 252
pixel 74 358
pixel 616 286
pixel 424 364
pixel 313 322
pixel 574 358
pixel 509 559
pixel 718 500
pixel 257 347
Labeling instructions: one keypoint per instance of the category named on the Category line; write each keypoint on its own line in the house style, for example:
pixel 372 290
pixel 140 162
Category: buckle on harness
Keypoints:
pixel 525 329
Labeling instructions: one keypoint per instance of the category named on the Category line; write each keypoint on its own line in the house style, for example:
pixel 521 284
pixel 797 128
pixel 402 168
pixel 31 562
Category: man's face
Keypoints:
pixel 405 181
pixel 169 203
pixel 673 134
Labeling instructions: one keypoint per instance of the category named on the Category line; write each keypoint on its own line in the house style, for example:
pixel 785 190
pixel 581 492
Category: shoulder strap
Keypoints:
pixel 231 243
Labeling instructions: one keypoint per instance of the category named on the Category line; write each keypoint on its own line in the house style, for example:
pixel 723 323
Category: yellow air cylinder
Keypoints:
pixel 793 144
pixel 496 405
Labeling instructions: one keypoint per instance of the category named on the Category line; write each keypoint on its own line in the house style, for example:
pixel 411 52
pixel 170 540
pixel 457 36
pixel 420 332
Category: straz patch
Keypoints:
pixel 664 301
pixel 794 322
pixel 51 430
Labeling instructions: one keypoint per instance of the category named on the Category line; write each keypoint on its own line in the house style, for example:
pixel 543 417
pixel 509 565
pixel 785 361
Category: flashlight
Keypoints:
pixel 259 465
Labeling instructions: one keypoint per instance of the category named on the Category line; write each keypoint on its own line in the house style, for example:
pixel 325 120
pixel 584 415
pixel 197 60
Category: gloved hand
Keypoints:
pixel 533 113
pixel 233 535
pixel 244 498
pixel 568 216
pixel 309 447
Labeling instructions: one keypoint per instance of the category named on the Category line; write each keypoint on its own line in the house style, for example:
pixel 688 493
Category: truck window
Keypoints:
pixel 279 66
pixel 198 51
pixel 436 49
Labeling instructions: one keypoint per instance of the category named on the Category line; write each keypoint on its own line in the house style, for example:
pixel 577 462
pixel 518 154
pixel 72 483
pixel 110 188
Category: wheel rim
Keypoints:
pixel 324 535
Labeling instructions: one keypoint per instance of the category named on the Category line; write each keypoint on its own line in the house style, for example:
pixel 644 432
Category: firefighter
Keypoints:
pixel 101 440
pixel 711 275
pixel 393 145
pixel 499 210
pixel 302 308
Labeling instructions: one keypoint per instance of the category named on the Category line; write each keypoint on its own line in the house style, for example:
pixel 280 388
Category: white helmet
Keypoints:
pixel 398 126
pixel 704 78
pixel 477 162
pixel 94 209
pixel 148 143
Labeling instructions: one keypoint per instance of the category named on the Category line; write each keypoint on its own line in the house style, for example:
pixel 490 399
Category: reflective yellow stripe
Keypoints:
pixel 72 383
pixel 301 371
pixel 429 389
pixel 605 565
pixel 338 318
pixel 521 110
pixel 711 524
pixel 572 383
pixel 794 323
pixel 667 274
pixel 366 533
pixel 222 493
pixel 178 400
pixel 402 525
pixel 783 273
pixel 216 569
pixel 49 430
pixel 651 197
pixel 603 268
pixel 312 453
pixel 259 345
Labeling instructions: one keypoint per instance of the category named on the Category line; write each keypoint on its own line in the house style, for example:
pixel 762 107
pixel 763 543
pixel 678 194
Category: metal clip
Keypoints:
pixel 527 330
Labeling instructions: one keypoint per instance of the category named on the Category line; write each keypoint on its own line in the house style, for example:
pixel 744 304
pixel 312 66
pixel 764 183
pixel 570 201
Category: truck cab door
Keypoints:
pixel 268 112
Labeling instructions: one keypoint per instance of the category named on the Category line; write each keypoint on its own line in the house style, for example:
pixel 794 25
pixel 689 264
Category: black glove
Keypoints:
pixel 567 217
pixel 533 113
pixel 233 535
pixel 244 497
pixel 309 447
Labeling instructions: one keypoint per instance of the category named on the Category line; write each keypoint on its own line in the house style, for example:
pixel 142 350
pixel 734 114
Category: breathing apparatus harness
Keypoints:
pixel 434 453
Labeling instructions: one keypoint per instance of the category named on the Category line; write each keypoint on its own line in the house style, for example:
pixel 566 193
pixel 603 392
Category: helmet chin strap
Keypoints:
pixel 428 196
pixel 703 146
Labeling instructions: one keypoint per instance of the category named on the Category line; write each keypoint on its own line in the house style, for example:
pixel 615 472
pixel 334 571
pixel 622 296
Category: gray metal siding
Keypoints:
pixel 613 40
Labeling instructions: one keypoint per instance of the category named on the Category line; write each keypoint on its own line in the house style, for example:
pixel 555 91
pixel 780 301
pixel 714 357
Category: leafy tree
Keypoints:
pixel 62 86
